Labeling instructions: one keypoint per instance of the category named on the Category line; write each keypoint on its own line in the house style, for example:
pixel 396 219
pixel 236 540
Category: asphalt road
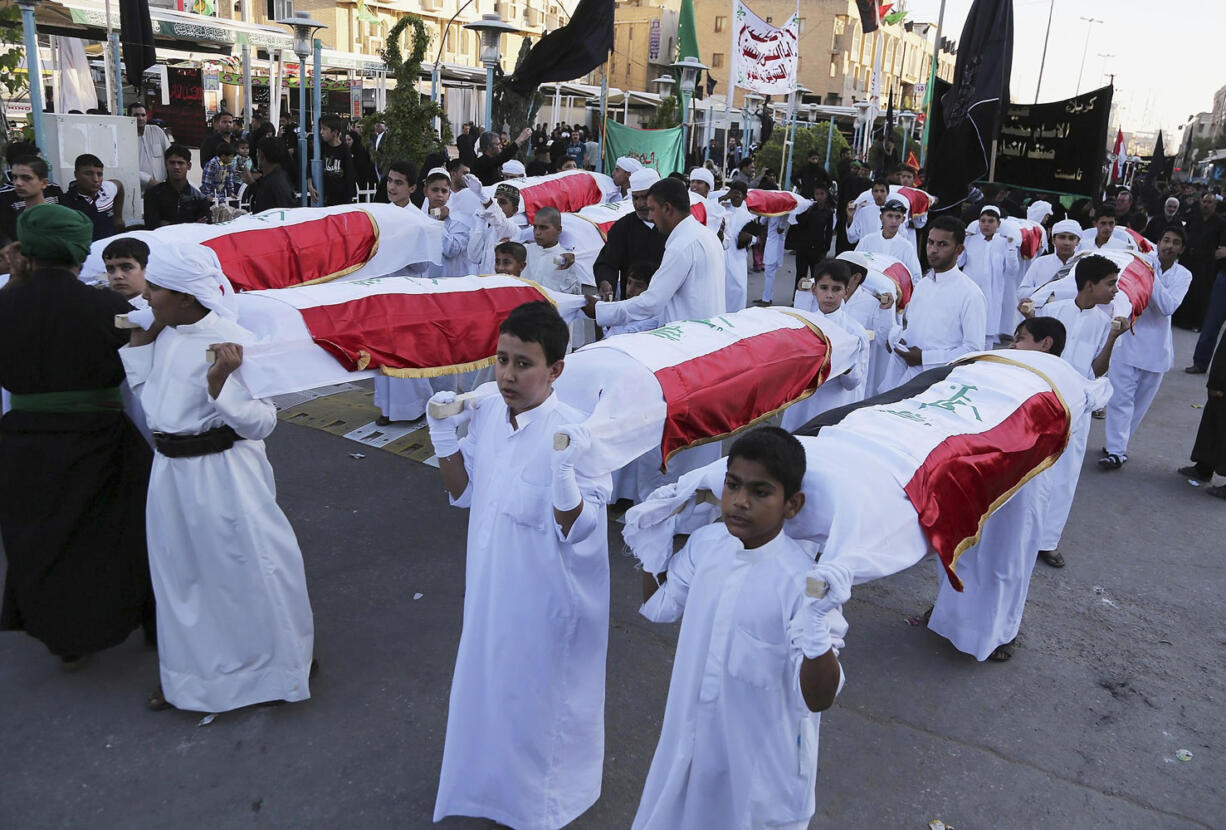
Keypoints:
pixel 1119 665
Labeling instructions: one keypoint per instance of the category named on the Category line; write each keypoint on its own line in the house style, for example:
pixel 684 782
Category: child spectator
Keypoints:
pixel 510 258
pixel 219 180
pixel 638 279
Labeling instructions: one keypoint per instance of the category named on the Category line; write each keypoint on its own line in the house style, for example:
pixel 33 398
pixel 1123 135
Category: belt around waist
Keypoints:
pixel 70 402
pixel 208 442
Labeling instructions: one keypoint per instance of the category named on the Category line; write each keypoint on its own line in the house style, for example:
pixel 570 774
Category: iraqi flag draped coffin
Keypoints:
pixel 918 201
pixel 886 275
pixel 568 191
pixel 316 335
pixel 1026 236
pixel 302 246
pixel 696 381
pixel 916 470
pixel 1136 283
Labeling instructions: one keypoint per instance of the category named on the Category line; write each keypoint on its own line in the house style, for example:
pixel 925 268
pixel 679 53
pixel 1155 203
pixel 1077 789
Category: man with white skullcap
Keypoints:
pixel 513 169
pixel 702 182
pixel 632 238
pixel 234 619
pixel 622 171
pixel 1038 211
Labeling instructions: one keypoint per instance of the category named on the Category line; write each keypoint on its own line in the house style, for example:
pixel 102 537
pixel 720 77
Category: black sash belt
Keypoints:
pixel 186 446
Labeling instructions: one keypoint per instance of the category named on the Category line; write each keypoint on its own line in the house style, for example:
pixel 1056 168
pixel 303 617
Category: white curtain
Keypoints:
pixel 76 82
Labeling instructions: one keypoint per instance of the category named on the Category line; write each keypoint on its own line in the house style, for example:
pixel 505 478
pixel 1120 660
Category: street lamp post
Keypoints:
pixel 491 27
pixel 664 85
pixel 689 68
pixel 33 74
pixel 304 29
pixel 907 119
pixel 753 103
pixel 1090 21
pixel 794 100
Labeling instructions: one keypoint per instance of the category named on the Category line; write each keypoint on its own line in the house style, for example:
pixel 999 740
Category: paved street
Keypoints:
pixel 1119 665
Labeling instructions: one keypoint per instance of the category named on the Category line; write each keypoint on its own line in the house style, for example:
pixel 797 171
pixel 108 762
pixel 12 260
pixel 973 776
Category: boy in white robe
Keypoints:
pixel 234 619
pixel 772 256
pixel 890 241
pixel 126 259
pixel 756 658
pixel 736 247
pixel 1090 338
pixel 1142 357
pixel 1102 234
pixel 988 261
pixel 1065 236
pixel 495 223
pixel 867 216
pixel 984 617
pixel 553 266
pixel 830 283
pixel 946 316
pixel 525 728
pixel 455 228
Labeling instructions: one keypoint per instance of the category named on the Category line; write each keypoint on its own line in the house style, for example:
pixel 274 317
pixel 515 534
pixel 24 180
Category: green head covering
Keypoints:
pixel 55 233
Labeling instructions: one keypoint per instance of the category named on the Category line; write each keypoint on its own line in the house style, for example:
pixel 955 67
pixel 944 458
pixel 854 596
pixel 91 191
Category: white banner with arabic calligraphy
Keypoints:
pixel 764 57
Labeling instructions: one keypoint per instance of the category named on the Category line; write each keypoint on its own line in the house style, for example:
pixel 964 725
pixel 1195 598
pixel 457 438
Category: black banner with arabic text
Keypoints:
pixel 1056 146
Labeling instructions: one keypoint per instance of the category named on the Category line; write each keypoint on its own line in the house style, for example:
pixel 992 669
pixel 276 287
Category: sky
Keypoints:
pixel 1166 55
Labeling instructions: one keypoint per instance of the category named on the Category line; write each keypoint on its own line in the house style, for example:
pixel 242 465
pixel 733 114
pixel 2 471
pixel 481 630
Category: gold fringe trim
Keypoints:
pixel 438 371
pixel 374 226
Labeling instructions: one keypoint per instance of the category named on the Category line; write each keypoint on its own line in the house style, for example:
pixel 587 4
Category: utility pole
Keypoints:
pixel 1090 21
pixel 1043 62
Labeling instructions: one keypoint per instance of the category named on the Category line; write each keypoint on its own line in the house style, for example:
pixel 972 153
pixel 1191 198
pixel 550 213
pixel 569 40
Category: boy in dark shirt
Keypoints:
pixel 340 185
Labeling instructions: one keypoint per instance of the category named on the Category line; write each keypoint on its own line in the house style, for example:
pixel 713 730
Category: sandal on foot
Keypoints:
pixel 1003 652
pixel 1099 414
pixel 1111 461
pixel 157 701
pixel 382 421
pixel 1052 557
pixel 1191 471
pixel 1217 492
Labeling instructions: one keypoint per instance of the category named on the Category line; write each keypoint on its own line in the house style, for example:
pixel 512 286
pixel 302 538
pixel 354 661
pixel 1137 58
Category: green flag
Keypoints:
pixel 660 150
pixel 687 32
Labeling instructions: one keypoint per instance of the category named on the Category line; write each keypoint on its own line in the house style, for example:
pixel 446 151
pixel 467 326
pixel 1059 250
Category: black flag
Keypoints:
pixel 569 52
pixel 961 146
pixel 868 15
pixel 136 32
pixel 1157 164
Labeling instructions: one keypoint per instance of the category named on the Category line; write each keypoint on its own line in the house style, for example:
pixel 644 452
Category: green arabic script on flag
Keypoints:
pixel 660 150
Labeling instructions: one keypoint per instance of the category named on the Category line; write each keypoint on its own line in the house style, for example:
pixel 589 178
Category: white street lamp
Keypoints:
pixel 304 29
pixel 491 27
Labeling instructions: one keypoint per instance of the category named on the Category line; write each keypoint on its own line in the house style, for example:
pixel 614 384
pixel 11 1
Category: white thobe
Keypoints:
pixel 772 254
pixel 736 272
pixel 1117 242
pixel 866 220
pixel 152 145
pixel 995 576
pixel 945 319
pixel 490 227
pixel 866 310
pixel 689 284
pixel 715 213
pixel 993 266
pixel 897 246
pixel 1042 271
pixel 738 746
pixel 525 726
pixel 542 270
pixel 1086 332
pixel 234 619
pixel 455 250
pixel 837 391
pixel 1141 357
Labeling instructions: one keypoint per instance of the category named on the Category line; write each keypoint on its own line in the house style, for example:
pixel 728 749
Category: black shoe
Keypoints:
pixel 1193 472
pixel 1195 370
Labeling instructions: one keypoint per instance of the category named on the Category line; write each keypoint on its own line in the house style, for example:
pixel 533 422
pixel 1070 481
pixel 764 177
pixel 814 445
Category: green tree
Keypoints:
pixel 806 139
pixel 12 51
pixel 409 116
pixel 666 116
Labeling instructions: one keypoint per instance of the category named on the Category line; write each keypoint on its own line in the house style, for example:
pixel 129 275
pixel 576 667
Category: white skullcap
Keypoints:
pixel 192 269
pixel 1170 199
pixel 514 167
pixel 993 209
pixel 702 174
pixel 1038 211
pixel 442 170
pixel 641 180
pixel 1066 226
pixel 629 165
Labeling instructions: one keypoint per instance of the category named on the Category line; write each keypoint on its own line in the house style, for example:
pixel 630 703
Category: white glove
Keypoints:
pixel 474 184
pixel 566 495
pixel 815 631
pixel 443 430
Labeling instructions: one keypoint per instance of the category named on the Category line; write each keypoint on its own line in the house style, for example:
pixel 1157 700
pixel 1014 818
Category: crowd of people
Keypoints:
pixel 165 517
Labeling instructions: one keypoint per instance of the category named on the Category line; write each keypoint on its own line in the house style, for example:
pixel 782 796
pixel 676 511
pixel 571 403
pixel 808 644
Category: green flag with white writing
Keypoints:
pixel 660 150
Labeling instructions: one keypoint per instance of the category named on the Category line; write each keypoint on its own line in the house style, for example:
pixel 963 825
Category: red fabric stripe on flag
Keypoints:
pixel 1032 241
pixel 899 273
pixel 770 202
pixel 919 200
pixel 416 331
pixel 306 252
pixel 716 394
pixel 958 485
pixel 568 194
pixel 1137 283
pixel 699 211
pixel 1143 244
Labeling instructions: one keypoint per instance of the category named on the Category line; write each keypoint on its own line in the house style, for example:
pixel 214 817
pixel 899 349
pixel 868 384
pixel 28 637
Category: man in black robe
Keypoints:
pixel 73 469
pixel 631 239
pixel 488 166
pixel 1209 452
